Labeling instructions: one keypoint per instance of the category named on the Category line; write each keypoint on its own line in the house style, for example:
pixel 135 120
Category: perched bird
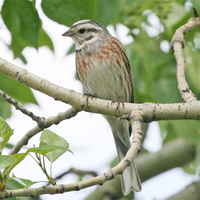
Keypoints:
pixel 104 69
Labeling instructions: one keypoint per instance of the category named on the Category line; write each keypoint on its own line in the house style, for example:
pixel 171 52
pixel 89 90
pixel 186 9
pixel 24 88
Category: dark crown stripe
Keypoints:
pixel 88 22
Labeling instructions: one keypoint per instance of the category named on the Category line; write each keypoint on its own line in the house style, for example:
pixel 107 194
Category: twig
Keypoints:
pixel 47 123
pixel 177 44
pixel 20 107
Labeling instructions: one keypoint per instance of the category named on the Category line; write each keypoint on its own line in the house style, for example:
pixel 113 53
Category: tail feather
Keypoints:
pixel 130 179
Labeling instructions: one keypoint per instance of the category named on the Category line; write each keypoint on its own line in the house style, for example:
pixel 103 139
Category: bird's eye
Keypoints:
pixel 81 31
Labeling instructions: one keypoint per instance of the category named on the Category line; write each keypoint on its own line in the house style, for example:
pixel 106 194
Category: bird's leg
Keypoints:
pixel 87 97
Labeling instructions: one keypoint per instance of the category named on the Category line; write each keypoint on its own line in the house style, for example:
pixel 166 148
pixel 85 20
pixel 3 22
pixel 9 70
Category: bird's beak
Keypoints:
pixel 68 33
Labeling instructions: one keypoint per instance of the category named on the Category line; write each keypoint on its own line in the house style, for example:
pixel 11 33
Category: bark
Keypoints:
pixel 174 154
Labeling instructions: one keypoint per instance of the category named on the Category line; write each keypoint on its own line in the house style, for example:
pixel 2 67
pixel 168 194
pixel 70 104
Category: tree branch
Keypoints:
pixel 173 154
pixel 149 111
pixel 20 107
pixel 177 44
pixel 46 123
pixel 101 179
pixel 136 123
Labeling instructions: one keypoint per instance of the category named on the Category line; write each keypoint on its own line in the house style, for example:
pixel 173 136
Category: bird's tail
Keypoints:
pixel 130 179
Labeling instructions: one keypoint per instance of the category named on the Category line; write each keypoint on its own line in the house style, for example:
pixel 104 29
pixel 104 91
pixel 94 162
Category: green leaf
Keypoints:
pixel 22 20
pixel 26 182
pixel 43 150
pixel 185 129
pixel 49 139
pixel 14 184
pixel 154 83
pixel 5 109
pixel 9 146
pixel 16 90
pixel 71 50
pixel 72 11
pixel 25 26
pixel 68 12
pixel 5 132
pixel 111 12
pixel 44 39
pixel 18 158
pixel 5 161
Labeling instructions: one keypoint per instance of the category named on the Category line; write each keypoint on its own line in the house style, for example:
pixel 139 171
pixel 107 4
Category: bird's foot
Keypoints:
pixel 118 101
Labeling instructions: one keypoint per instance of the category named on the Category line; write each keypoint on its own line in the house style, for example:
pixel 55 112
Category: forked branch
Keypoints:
pixel 177 45
pixel 46 123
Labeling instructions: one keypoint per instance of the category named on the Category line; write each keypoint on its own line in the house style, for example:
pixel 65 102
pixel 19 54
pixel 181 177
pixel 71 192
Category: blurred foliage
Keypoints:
pixel 25 26
pixel 154 66
pixel 105 12
pixel 15 89
pixel 154 69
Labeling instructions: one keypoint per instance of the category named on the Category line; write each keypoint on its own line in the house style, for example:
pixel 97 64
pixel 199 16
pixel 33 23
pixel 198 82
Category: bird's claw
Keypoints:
pixel 118 101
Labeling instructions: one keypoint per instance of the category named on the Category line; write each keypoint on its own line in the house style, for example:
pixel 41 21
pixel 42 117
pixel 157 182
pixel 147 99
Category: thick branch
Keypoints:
pixel 177 44
pixel 149 111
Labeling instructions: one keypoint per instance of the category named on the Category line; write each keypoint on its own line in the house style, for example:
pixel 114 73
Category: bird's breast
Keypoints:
pixel 103 75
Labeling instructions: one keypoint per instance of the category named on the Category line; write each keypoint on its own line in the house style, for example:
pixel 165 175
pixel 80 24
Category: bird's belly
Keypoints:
pixel 103 81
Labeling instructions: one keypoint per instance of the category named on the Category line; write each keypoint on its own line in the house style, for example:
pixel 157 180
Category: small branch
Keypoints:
pixel 20 107
pixel 136 125
pixel 177 44
pixel 176 153
pixel 46 123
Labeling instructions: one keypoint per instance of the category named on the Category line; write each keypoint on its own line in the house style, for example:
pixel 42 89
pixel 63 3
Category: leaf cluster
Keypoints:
pixel 51 147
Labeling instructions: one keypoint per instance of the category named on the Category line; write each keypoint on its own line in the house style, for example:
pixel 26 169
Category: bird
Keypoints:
pixel 103 68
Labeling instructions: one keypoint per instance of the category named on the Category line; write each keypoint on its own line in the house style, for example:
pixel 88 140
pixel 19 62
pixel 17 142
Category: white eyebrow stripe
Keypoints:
pixel 82 21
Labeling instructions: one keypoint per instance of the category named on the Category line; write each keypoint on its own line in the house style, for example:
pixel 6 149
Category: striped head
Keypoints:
pixel 86 32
